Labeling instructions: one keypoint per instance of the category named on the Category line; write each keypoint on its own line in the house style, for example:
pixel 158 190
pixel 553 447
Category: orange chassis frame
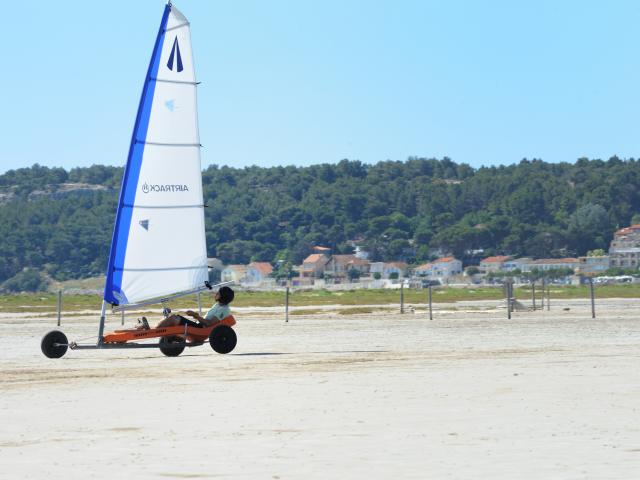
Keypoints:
pixel 193 336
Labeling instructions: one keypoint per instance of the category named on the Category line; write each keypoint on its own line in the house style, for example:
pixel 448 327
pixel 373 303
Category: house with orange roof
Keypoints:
pixel 338 266
pixel 493 264
pixel 624 250
pixel 314 266
pixel 362 265
pixel 258 272
pixel 234 273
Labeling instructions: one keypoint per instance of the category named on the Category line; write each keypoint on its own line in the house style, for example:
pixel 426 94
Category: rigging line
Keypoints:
pixel 177 26
pixel 162 206
pixel 158 269
pixel 159 144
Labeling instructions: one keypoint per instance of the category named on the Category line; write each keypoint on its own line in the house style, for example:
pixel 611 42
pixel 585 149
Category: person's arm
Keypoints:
pixel 203 320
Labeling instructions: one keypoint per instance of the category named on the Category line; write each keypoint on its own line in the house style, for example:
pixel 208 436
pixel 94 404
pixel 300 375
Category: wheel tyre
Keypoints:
pixel 168 347
pixel 49 341
pixel 223 339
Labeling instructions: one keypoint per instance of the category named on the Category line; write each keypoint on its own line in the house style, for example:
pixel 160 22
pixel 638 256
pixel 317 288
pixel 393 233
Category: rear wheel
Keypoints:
pixel 54 344
pixel 169 348
pixel 223 339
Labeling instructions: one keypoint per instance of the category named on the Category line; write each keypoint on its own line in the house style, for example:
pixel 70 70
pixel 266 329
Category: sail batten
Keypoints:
pixel 159 144
pixel 158 226
pixel 164 206
pixel 177 26
pixel 160 269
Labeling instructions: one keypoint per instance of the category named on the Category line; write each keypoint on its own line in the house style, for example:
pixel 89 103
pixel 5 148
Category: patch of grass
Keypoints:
pixel 46 302
pixel 307 311
pixel 43 302
pixel 355 311
pixel 582 291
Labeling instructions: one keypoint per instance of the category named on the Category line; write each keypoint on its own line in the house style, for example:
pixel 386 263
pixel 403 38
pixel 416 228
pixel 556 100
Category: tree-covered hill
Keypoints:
pixel 61 222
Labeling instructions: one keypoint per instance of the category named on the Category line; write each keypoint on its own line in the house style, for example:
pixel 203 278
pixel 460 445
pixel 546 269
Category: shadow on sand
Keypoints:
pixel 257 354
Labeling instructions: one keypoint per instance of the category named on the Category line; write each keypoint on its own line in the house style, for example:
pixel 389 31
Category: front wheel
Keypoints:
pixel 169 348
pixel 54 344
pixel 223 339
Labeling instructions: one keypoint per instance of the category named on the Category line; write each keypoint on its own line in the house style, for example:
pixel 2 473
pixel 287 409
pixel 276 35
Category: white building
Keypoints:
pixel 546 264
pixel 441 269
pixel 386 270
pixel 359 253
pixel 624 250
pixel 515 264
pixel 234 273
pixel 593 265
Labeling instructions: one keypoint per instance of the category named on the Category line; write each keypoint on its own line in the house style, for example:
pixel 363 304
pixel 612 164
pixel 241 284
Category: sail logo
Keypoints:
pixel 144 224
pixel 175 55
pixel 146 188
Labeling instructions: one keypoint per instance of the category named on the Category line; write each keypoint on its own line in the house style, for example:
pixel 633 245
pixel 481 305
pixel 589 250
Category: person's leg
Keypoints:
pixel 171 321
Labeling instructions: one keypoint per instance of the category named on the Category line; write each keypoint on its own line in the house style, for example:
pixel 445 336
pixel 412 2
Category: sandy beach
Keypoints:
pixel 545 395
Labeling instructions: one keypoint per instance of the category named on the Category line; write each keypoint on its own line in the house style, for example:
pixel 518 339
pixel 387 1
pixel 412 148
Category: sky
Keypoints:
pixel 301 83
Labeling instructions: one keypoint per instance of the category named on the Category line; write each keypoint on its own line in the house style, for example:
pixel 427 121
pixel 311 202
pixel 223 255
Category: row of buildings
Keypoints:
pixel 322 267
pixel 317 268
pixel 580 265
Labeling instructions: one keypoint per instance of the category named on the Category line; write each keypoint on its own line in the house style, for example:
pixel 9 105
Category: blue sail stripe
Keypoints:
pixel 131 175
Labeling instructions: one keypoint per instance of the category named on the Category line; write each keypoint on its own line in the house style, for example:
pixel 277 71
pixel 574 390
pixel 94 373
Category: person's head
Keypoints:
pixel 225 295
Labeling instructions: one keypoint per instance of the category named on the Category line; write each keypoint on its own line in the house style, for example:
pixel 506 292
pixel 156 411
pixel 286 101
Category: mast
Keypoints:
pixel 132 168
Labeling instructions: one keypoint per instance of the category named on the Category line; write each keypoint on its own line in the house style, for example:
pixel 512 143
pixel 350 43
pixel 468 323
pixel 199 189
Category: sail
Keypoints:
pixel 158 246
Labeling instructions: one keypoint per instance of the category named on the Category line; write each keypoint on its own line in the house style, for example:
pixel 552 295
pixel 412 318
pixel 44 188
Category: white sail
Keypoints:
pixel 158 245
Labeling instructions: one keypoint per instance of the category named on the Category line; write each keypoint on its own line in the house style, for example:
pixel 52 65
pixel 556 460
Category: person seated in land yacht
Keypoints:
pixel 220 310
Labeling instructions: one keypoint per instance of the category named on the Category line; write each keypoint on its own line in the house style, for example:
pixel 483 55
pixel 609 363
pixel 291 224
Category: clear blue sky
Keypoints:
pixel 314 82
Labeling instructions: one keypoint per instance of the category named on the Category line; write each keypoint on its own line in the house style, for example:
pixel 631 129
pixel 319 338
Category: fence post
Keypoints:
pixel 593 303
pixel 508 293
pixel 548 297
pixel 533 294
pixel 430 304
pixel 59 306
pixel 402 297
pixel 286 305
pixel 199 305
pixel 542 298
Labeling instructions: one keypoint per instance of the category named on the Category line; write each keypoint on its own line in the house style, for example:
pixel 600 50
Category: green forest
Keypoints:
pixel 59 222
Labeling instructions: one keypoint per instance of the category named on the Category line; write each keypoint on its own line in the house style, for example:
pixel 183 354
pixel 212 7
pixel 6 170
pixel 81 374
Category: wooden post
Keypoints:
pixel 542 298
pixel 430 304
pixel 533 295
pixel 548 297
pixel 402 297
pixel 122 320
pixel 593 302
pixel 508 284
pixel 59 306
pixel 286 305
